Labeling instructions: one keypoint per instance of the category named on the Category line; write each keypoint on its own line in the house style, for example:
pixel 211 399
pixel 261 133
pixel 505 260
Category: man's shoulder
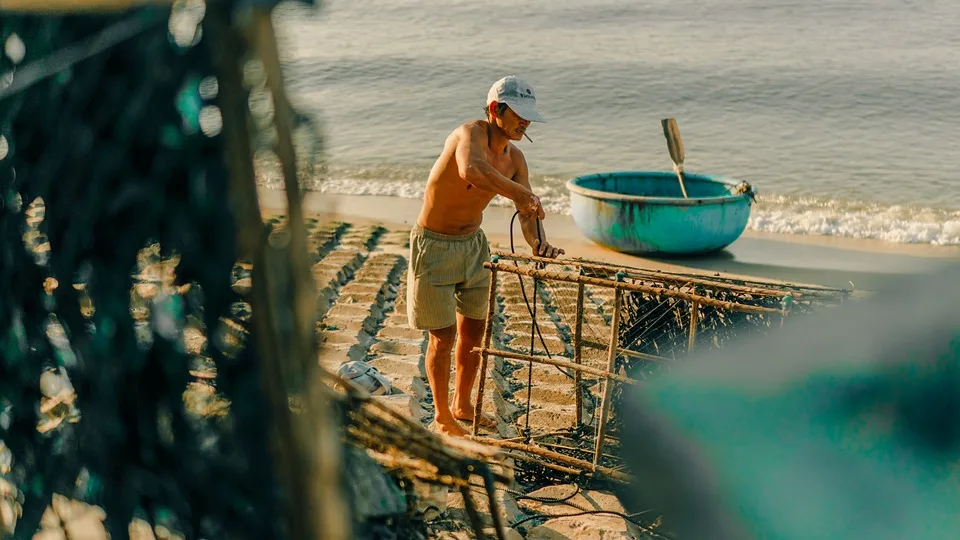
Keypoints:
pixel 472 125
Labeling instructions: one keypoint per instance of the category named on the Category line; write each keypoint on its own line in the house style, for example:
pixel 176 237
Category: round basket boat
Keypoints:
pixel 644 212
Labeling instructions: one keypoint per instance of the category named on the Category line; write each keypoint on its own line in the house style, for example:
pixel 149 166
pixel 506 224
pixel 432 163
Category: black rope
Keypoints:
pixel 523 291
pixel 549 500
pixel 534 326
pixel 632 518
pixel 629 517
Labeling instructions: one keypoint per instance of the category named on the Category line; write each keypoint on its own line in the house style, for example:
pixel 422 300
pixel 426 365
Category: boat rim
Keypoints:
pixel 573 187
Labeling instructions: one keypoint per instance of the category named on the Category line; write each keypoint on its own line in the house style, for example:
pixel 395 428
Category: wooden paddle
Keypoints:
pixel 675 146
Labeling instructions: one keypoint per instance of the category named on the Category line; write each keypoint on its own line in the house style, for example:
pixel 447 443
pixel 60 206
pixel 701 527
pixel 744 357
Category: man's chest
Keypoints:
pixel 502 163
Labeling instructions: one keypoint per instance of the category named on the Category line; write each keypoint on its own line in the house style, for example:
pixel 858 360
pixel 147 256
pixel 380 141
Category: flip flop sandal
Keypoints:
pixel 365 376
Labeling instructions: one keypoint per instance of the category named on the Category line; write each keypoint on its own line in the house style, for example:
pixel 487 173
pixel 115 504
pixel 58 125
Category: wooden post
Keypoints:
pixel 577 349
pixel 611 367
pixel 694 311
pixel 487 336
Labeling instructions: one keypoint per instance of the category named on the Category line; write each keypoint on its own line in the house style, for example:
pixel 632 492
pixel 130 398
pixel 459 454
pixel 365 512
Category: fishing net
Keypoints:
pixel 126 382
pixel 661 318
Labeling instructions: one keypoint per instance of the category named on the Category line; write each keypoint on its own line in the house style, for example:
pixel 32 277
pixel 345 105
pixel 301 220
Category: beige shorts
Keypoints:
pixel 446 276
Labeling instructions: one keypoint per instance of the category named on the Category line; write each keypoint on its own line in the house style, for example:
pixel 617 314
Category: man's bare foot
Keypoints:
pixel 486 419
pixel 451 427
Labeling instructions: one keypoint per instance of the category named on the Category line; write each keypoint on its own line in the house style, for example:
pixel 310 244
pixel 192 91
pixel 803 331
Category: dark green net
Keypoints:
pixel 117 255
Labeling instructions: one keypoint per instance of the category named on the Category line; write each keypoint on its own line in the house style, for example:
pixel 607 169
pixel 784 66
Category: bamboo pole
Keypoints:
pixel 487 336
pixel 425 438
pixel 559 363
pixel 633 287
pixel 577 355
pixel 317 429
pixel 314 504
pixel 633 272
pixel 692 341
pixel 611 366
pixel 578 464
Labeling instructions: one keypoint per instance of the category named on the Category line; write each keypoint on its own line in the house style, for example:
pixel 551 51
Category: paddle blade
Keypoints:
pixel 674 143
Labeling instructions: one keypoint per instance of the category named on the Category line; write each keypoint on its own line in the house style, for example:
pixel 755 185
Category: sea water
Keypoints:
pixel 844 114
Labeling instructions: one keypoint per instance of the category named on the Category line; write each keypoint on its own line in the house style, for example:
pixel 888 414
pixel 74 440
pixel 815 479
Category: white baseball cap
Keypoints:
pixel 518 95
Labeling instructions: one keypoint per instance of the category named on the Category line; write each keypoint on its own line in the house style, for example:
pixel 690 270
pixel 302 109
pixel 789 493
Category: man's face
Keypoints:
pixel 512 125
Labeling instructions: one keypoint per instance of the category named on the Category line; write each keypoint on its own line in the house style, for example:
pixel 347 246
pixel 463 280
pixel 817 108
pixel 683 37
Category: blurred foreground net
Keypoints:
pixel 111 144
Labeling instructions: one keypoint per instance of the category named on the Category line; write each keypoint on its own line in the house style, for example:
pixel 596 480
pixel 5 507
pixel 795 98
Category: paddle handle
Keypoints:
pixel 675 146
pixel 683 188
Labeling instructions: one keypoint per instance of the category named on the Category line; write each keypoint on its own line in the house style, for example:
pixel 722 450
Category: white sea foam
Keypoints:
pixel 772 213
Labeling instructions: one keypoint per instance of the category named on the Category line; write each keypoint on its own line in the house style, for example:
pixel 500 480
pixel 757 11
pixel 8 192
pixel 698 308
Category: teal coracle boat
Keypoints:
pixel 645 212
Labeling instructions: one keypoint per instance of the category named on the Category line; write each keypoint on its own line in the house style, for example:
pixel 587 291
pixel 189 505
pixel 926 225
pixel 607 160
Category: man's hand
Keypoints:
pixel 529 205
pixel 546 250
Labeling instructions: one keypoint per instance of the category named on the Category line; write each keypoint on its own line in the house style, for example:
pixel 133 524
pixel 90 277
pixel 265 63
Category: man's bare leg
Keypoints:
pixel 439 349
pixel 470 335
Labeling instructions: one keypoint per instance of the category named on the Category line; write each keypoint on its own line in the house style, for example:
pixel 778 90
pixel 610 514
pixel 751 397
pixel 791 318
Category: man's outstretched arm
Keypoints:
pixel 530 225
pixel 474 168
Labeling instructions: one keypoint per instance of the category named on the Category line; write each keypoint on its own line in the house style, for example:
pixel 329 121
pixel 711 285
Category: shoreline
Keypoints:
pixel 818 260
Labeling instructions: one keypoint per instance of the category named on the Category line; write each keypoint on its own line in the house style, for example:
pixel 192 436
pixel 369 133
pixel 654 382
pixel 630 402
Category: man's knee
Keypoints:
pixel 471 330
pixel 443 339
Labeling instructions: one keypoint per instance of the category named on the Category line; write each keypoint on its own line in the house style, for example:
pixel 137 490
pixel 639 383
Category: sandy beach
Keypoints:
pixel 359 248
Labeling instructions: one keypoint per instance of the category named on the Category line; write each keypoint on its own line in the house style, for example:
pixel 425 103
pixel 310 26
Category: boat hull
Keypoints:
pixel 644 212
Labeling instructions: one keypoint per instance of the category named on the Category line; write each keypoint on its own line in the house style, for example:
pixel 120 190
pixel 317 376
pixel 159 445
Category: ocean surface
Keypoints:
pixel 844 114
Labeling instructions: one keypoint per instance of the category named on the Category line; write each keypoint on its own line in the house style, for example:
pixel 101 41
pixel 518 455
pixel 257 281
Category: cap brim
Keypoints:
pixel 526 111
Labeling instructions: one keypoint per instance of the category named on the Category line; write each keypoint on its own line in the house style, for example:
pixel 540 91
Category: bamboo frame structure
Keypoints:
pixel 633 287
pixel 759 288
pixel 660 285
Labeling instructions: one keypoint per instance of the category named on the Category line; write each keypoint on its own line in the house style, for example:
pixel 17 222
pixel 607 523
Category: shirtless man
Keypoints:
pixel 447 285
